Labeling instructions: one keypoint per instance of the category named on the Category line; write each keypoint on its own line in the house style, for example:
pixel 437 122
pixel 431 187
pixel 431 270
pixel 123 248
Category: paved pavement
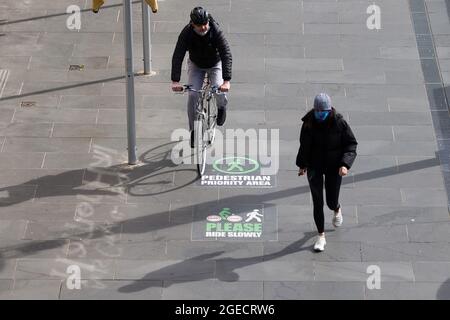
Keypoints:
pixel 67 199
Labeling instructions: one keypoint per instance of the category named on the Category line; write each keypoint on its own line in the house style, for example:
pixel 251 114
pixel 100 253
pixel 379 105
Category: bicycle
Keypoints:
pixel 205 121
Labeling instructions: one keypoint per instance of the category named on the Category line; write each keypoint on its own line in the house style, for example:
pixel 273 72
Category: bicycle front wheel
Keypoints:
pixel 200 144
pixel 212 119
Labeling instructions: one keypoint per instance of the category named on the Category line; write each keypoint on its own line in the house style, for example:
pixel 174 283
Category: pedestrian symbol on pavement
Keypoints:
pixel 236 165
pixel 254 215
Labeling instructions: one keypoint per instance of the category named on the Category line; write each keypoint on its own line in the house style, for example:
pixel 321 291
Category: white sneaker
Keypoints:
pixel 337 218
pixel 320 244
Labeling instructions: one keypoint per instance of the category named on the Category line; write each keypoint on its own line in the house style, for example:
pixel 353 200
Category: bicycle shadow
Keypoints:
pixel 101 181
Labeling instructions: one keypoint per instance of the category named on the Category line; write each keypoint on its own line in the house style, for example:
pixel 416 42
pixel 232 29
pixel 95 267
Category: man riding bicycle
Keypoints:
pixel 209 53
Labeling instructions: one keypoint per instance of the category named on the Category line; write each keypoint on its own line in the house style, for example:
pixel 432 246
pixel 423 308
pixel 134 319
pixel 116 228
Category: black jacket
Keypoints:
pixel 205 51
pixel 330 144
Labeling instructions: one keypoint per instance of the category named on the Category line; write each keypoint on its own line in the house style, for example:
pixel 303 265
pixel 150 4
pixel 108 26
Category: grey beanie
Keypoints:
pixel 322 102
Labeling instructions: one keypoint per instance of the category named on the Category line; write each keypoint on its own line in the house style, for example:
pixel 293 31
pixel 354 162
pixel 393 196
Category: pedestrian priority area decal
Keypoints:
pixel 236 172
pixel 235 222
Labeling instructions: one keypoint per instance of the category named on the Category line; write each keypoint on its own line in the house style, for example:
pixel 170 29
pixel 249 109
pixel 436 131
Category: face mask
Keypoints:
pixel 321 115
pixel 202 33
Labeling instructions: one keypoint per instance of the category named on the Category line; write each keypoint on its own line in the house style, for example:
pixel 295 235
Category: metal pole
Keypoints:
pixel 146 36
pixel 131 117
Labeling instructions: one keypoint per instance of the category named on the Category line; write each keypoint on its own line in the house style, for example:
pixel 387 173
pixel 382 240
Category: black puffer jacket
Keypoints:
pixel 330 144
pixel 205 51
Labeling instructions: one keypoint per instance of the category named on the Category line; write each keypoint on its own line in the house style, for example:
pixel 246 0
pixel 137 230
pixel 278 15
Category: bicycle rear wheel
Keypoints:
pixel 200 144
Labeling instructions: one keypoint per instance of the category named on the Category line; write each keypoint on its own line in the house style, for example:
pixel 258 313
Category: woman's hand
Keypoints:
pixel 301 171
pixel 343 171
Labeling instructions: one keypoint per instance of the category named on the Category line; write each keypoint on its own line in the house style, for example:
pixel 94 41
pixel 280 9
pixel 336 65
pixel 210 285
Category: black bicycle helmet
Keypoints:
pixel 199 16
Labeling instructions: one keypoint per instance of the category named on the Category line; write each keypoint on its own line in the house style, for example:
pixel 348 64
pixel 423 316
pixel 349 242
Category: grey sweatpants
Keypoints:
pixel 196 76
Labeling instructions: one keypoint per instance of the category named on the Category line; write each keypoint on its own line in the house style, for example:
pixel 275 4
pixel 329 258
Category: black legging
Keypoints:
pixel 332 186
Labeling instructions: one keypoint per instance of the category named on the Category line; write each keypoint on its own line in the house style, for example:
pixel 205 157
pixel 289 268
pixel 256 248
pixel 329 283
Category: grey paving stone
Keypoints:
pixel 431 271
pixel 366 163
pixel 49 269
pixel 303 64
pixel 430 71
pixel 298 196
pixel 6 115
pixel 405 104
pixel 40 100
pixel 133 231
pixel 17 194
pixel 62 160
pixel 190 250
pixel 265 27
pixel 114 290
pixel 53 115
pixel 411 133
pixel 399 53
pixel 35 290
pixel 87 130
pixel 254 269
pixel 26 130
pixel 424 196
pixel 403 77
pixel 409 291
pixel 406 179
pixel 302 250
pixel 79 101
pixel 5 288
pixel 392 91
pixel 369 234
pixel 26 210
pixel 391 215
pixel 438 251
pixel 366 196
pixel 397 148
pixel 393 118
pixel 56 88
pixel 213 289
pixel 97 245
pixel 23 160
pixel 17 249
pixel 357 271
pixel 183 270
pixel 63 63
pixel 367 133
pixel 429 232
pixel 18 144
pixel 307 290
pixel 72 194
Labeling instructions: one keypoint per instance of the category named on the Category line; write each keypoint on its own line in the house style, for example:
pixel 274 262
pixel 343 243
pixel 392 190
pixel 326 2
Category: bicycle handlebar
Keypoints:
pixel 188 87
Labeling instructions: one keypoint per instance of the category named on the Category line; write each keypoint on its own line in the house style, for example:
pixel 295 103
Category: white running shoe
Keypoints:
pixel 337 218
pixel 320 244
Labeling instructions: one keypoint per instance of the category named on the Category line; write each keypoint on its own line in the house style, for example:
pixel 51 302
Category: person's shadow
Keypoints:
pixel 182 272
pixel 444 291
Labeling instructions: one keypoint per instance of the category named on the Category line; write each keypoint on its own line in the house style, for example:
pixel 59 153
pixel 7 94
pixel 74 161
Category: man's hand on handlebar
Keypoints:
pixel 177 87
pixel 225 87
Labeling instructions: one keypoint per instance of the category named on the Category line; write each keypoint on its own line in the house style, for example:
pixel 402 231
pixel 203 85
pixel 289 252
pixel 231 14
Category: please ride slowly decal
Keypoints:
pixel 245 222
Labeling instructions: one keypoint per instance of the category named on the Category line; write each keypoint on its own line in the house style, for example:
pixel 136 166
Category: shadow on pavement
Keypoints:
pixel 177 271
pixel 444 291
pixel 154 222
pixel 111 178
pixel 6 22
